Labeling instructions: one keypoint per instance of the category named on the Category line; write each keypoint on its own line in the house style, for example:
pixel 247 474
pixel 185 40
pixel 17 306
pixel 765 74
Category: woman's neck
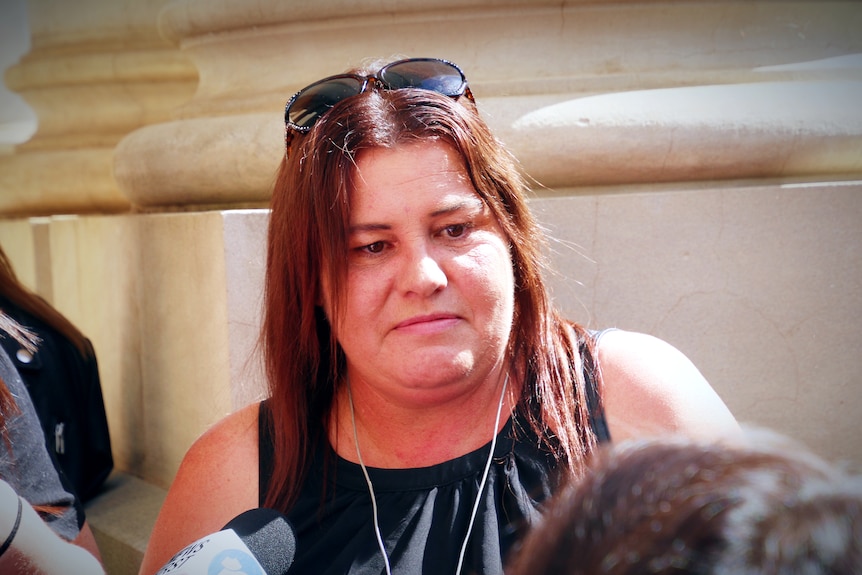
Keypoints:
pixel 393 435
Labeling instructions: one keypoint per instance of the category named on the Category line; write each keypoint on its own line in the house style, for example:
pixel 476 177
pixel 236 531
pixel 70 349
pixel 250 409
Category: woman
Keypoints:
pixel 62 378
pixel 425 396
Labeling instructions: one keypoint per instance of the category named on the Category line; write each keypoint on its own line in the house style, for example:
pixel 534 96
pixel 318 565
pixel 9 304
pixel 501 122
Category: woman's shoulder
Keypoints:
pixel 236 434
pixel 652 388
pixel 216 481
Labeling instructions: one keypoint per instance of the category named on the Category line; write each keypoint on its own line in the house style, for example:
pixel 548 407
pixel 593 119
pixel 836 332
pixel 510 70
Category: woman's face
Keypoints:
pixel 430 286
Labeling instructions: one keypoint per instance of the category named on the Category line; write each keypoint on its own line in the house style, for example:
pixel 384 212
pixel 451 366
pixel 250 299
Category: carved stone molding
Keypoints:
pixel 94 74
pixel 585 94
pixel 178 104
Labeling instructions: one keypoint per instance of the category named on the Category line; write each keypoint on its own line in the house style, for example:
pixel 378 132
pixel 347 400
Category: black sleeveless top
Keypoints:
pixel 423 512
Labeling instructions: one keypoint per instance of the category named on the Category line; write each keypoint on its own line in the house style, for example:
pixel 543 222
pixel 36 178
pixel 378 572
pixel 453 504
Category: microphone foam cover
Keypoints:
pixel 269 536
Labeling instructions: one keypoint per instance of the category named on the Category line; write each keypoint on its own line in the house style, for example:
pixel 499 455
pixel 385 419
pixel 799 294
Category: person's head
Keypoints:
pixel 322 188
pixel 679 507
pixel 313 199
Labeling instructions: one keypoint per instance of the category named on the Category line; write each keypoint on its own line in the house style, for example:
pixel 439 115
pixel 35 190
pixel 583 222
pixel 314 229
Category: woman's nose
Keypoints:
pixel 422 272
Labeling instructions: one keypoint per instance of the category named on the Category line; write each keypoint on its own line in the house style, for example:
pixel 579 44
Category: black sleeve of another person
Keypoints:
pixel 67 394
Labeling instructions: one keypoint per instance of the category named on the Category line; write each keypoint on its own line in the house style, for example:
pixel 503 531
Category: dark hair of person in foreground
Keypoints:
pixel 679 507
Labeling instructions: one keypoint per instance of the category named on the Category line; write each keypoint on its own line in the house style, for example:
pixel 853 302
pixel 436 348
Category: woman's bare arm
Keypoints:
pixel 651 388
pixel 217 480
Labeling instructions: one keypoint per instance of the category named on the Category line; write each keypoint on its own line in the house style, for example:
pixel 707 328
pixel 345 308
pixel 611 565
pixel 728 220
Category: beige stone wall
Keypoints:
pixel 758 284
pixel 700 164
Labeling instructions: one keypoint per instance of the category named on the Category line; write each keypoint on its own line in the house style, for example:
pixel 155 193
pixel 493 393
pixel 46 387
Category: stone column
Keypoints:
pixel 96 71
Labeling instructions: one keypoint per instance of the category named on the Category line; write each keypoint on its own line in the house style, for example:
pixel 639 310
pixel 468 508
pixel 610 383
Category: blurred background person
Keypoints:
pixel 28 470
pixel 62 378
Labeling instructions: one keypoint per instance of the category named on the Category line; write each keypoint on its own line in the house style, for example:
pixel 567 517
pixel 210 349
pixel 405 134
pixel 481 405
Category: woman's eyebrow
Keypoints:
pixel 359 228
pixel 471 204
pixel 454 207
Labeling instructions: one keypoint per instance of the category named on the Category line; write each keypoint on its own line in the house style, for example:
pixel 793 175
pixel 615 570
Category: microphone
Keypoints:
pixel 39 549
pixel 256 542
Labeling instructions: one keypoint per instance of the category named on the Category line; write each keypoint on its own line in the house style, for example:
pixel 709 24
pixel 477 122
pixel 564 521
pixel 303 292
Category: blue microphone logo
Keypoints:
pixel 234 562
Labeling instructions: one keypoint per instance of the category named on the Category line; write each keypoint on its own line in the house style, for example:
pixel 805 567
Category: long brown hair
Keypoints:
pixel 28 340
pixel 307 241
pixel 19 296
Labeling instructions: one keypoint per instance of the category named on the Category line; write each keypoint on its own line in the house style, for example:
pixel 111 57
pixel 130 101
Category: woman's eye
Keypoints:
pixel 374 248
pixel 455 230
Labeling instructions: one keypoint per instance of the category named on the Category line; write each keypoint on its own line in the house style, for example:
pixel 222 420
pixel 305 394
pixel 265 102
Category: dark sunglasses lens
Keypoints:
pixel 435 75
pixel 318 98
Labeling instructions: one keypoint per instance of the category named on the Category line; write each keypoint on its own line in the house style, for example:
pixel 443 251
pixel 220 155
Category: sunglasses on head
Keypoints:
pixel 309 104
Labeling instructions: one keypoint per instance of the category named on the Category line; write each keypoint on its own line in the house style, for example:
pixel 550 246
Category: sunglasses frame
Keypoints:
pixel 364 82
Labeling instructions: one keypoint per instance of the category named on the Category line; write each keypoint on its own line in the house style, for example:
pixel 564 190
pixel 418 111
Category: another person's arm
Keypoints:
pixel 651 388
pixel 217 480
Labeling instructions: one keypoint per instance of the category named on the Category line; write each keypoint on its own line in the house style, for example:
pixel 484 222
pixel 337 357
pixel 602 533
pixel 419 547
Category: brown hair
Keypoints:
pixel 672 507
pixel 307 241
pixel 19 296
pixel 8 408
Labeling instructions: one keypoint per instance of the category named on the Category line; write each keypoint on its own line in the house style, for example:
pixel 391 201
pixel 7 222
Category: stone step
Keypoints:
pixel 122 517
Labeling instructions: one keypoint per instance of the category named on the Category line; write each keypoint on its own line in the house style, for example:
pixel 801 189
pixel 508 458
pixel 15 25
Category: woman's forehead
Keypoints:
pixel 416 174
pixel 409 160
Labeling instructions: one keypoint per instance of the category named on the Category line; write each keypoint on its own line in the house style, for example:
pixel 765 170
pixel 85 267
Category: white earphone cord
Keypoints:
pixel 484 479
pixel 476 503
pixel 370 487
